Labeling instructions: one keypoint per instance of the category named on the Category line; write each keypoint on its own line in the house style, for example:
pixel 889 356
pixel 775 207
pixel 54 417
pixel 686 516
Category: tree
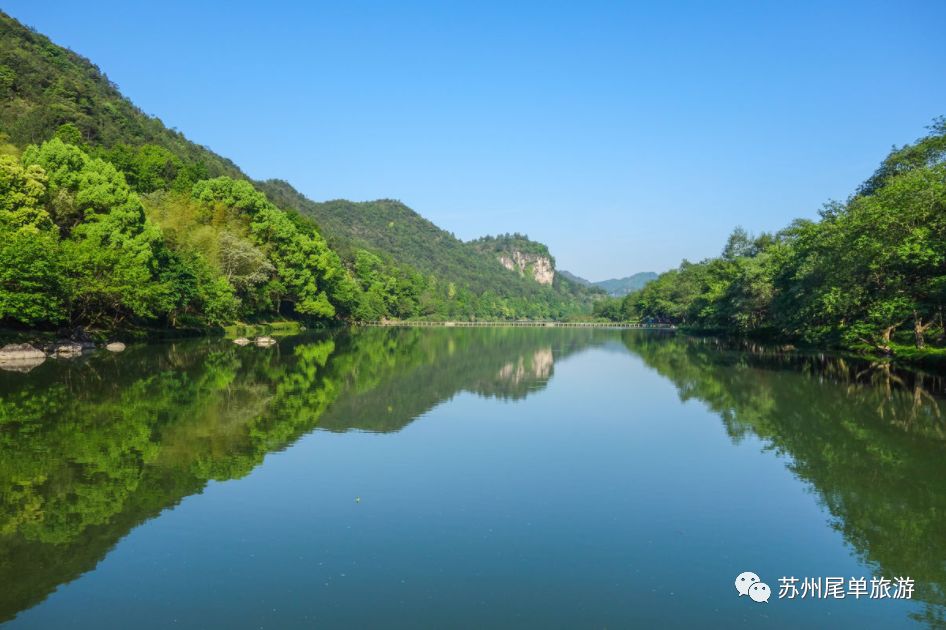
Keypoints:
pixel 110 252
pixel 32 284
pixel 243 264
pixel 925 152
pixel 32 288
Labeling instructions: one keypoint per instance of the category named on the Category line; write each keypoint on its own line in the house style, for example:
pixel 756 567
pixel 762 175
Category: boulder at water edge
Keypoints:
pixel 20 357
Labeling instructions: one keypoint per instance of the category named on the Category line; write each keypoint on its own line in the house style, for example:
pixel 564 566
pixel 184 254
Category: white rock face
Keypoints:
pixel 538 267
pixel 540 368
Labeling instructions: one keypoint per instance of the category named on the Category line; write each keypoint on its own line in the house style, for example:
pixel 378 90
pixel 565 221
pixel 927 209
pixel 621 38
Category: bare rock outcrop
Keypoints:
pixel 536 266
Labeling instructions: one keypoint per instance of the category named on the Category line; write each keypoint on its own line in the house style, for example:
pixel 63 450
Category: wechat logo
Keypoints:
pixel 748 583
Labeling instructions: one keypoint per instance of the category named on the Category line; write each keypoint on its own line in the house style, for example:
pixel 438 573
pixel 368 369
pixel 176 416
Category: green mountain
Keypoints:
pixel 108 218
pixel 619 287
pixel 508 265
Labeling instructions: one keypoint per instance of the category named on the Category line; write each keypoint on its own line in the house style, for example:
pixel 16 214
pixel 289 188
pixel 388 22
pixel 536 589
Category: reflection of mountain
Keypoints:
pixel 433 365
pixel 870 441
pixel 91 449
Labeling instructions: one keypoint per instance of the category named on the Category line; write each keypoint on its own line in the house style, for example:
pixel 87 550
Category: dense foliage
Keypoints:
pixel 79 247
pixel 871 272
pixel 109 218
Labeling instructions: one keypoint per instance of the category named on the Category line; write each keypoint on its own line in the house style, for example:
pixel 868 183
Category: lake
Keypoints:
pixel 468 478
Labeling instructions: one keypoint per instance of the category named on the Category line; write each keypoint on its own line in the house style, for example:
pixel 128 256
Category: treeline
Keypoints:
pixel 78 245
pixel 504 243
pixel 108 237
pixel 870 274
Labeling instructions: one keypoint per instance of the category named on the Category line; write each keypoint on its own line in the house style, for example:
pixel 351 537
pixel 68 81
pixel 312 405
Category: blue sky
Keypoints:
pixel 626 136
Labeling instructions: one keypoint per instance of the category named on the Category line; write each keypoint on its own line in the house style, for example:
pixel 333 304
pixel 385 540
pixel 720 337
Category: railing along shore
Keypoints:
pixel 513 324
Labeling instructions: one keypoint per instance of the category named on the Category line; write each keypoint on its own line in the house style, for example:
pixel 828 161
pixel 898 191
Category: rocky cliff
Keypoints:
pixel 536 266
pixel 518 253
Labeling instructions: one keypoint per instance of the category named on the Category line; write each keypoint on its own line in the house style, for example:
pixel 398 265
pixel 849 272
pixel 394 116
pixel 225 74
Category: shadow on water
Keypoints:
pixel 90 449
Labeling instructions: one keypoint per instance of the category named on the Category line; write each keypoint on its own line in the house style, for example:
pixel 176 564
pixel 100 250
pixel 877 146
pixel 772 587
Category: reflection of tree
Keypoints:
pixel 91 448
pixel 868 439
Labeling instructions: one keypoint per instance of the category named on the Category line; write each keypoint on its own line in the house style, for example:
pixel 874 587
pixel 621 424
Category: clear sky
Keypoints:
pixel 626 136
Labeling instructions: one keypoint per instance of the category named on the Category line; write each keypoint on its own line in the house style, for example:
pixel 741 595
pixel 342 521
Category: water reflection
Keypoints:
pixel 867 438
pixel 91 448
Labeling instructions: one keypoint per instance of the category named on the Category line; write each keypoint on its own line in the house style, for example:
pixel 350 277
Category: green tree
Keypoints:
pixel 32 287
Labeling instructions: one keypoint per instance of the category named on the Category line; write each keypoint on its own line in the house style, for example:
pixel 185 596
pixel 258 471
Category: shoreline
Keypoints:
pixel 904 356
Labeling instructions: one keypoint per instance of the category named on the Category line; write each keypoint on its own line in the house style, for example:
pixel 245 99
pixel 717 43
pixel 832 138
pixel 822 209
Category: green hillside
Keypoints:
pixel 405 238
pixel 43 86
pixel 109 219
pixel 388 227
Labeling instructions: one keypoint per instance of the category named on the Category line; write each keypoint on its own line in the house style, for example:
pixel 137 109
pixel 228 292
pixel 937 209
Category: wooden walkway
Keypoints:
pixel 515 324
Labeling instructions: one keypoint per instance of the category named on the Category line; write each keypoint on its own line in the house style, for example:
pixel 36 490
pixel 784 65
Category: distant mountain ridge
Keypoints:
pixel 616 287
pixel 619 287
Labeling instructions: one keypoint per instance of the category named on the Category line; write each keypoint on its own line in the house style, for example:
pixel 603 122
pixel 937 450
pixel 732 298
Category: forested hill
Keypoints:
pixel 108 218
pixel 402 236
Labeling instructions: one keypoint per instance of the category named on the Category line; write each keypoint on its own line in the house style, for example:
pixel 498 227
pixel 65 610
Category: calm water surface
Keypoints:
pixel 465 478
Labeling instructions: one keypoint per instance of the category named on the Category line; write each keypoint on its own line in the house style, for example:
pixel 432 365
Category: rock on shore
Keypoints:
pixel 20 357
